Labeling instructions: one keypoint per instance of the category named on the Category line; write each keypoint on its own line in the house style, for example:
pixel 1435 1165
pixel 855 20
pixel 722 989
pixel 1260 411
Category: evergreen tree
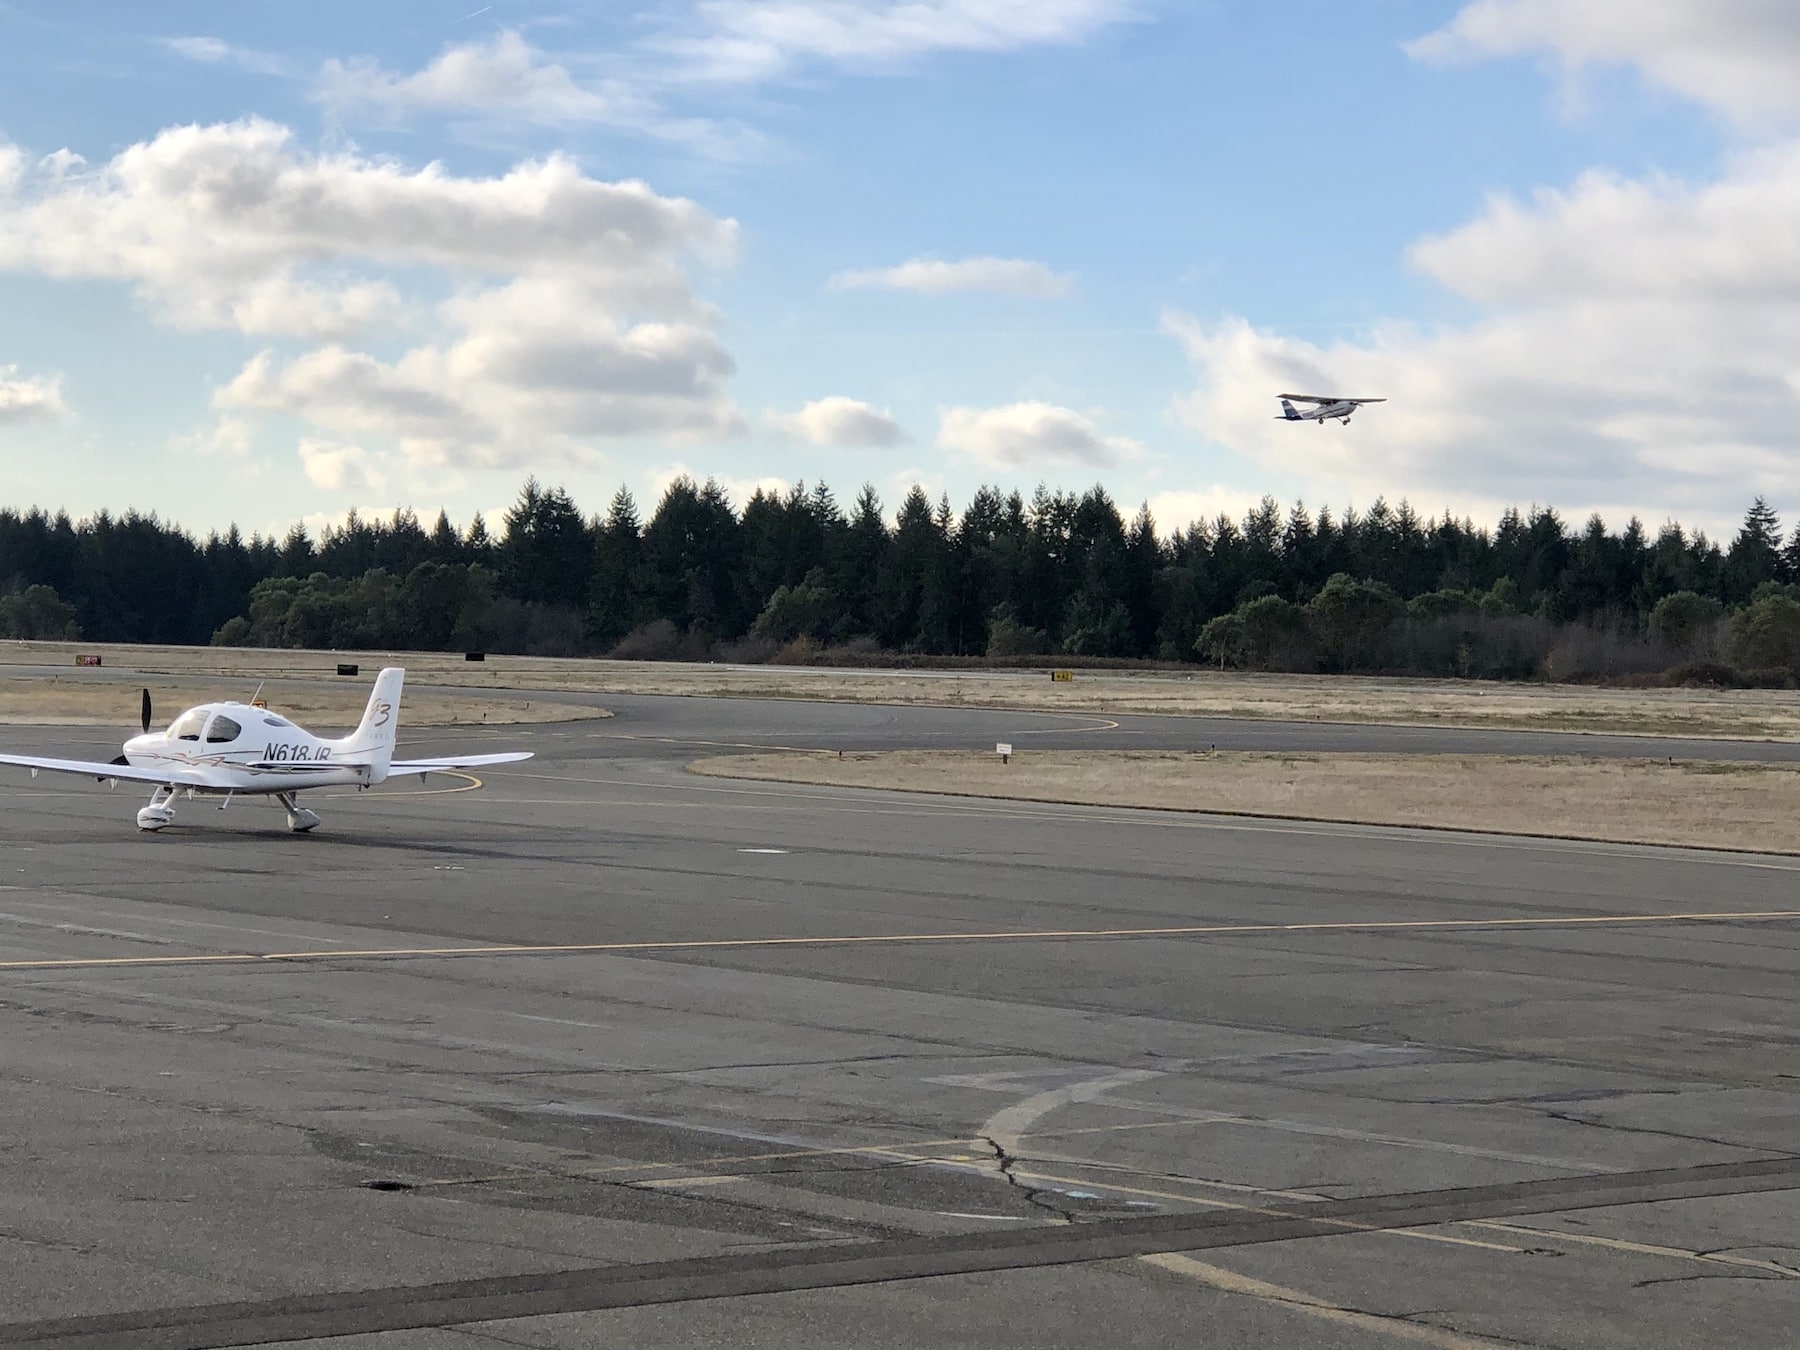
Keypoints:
pixel 856 578
pixel 1755 555
pixel 692 560
pixel 478 546
pixel 900 584
pixel 1142 564
pixel 546 553
pixel 446 547
pixel 615 592
pixel 298 557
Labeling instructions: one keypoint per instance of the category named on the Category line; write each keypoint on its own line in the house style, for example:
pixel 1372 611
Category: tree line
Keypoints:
pixel 797 575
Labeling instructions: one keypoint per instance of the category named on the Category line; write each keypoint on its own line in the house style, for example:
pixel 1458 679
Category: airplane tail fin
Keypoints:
pixel 372 743
pixel 1288 412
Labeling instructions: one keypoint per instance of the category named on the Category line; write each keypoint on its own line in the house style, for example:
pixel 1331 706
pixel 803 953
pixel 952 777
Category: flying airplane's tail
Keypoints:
pixel 1289 413
pixel 372 743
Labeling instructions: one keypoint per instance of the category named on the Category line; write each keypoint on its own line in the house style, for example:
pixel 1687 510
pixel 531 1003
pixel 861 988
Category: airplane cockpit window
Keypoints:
pixel 222 730
pixel 271 720
pixel 187 726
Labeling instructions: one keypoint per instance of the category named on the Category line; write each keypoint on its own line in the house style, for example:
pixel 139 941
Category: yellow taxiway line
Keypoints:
pixel 904 939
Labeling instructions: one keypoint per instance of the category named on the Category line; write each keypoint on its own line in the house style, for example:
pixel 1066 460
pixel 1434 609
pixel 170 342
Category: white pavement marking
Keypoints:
pixel 1576 1165
pixel 1310 1305
pixel 762 850
pixel 1007 1126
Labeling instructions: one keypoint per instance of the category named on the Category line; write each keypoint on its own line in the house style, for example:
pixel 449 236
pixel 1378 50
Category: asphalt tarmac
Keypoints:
pixel 597 1053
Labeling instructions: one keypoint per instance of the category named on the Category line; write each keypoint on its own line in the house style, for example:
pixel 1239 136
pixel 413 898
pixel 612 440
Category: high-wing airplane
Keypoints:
pixel 1323 410
pixel 243 749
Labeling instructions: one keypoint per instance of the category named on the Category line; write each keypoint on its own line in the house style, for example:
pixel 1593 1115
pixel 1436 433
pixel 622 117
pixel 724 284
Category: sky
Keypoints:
pixel 266 263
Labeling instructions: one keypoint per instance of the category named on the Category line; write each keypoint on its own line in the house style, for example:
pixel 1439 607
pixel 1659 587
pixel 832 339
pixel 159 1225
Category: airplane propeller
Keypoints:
pixel 146 711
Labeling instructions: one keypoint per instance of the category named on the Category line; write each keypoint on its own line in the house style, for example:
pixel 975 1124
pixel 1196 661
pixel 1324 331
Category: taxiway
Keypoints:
pixel 601 1053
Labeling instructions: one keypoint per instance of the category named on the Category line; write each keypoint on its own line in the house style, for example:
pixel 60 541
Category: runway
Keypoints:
pixel 598 1053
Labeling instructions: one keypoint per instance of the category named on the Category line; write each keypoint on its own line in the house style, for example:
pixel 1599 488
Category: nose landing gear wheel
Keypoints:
pixel 160 811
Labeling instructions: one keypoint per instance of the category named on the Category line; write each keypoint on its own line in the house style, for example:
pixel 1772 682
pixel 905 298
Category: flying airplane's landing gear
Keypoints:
pixel 160 811
pixel 300 820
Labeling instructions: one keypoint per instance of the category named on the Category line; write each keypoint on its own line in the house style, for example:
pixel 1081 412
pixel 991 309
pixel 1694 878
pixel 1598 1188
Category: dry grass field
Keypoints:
pixel 49 696
pixel 1699 803
pixel 1753 714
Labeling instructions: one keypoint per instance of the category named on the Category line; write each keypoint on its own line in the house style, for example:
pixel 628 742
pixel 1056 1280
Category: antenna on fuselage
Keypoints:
pixel 257 701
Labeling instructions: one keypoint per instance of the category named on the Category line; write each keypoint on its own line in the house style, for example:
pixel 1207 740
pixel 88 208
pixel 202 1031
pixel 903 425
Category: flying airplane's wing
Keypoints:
pixel 170 777
pixel 1328 398
pixel 451 763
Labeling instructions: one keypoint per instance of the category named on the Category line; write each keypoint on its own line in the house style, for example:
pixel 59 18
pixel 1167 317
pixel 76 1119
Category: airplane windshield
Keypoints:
pixel 187 726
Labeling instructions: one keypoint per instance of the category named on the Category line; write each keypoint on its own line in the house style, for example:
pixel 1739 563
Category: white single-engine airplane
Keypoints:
pixel 243 749
pixel 1323 410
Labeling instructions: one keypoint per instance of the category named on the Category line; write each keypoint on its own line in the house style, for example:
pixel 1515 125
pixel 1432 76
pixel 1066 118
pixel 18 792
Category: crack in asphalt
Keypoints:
pixel 1035 1196
pixel 1571 1118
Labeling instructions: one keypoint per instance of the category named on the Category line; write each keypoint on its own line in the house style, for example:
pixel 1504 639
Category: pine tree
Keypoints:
pixel 857 578
pixel 1755 555
pixel 615 591
pixel 445 547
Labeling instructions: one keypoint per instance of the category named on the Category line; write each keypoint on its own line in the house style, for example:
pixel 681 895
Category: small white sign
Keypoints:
pixel 1002 749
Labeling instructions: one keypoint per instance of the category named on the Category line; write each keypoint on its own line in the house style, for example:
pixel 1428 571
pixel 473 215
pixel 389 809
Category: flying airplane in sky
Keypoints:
pixel 243 749
pixel 1323 410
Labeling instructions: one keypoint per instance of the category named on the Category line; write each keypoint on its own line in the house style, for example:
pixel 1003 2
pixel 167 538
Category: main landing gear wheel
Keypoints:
pixel 299 819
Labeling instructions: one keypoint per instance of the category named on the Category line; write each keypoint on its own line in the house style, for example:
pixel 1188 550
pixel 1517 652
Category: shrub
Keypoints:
pixel 1007 636
pixel 1350 617
pixel 661 640
pixel 1766 634
pixel 1685 621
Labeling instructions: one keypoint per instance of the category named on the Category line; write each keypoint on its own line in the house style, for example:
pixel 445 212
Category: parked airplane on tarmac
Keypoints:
pixel 1325 407
pixel 243 749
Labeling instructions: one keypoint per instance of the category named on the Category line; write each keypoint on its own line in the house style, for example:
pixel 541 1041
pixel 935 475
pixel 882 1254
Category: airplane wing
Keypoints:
pixel 97 769
pixel 1310 398
pixel 1365 400
pixel 451 763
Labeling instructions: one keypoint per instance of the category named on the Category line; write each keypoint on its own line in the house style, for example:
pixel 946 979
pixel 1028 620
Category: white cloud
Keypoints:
pixel 570 315
pixel 502 76
pixel 749 40
pixel 508 78
pixel 1639 341
pixel 1680 405
pixel 338 467
pixel 840 421
pixel 61 163
pixel 226 437
pixel 686 49
pixel 212 51
pixel 1022 434
pixel 220 225
pixel 929 276
pixel 1738 56
pixel 526 381
pixel 27 398
pixel 12 167
pixel 1729 240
